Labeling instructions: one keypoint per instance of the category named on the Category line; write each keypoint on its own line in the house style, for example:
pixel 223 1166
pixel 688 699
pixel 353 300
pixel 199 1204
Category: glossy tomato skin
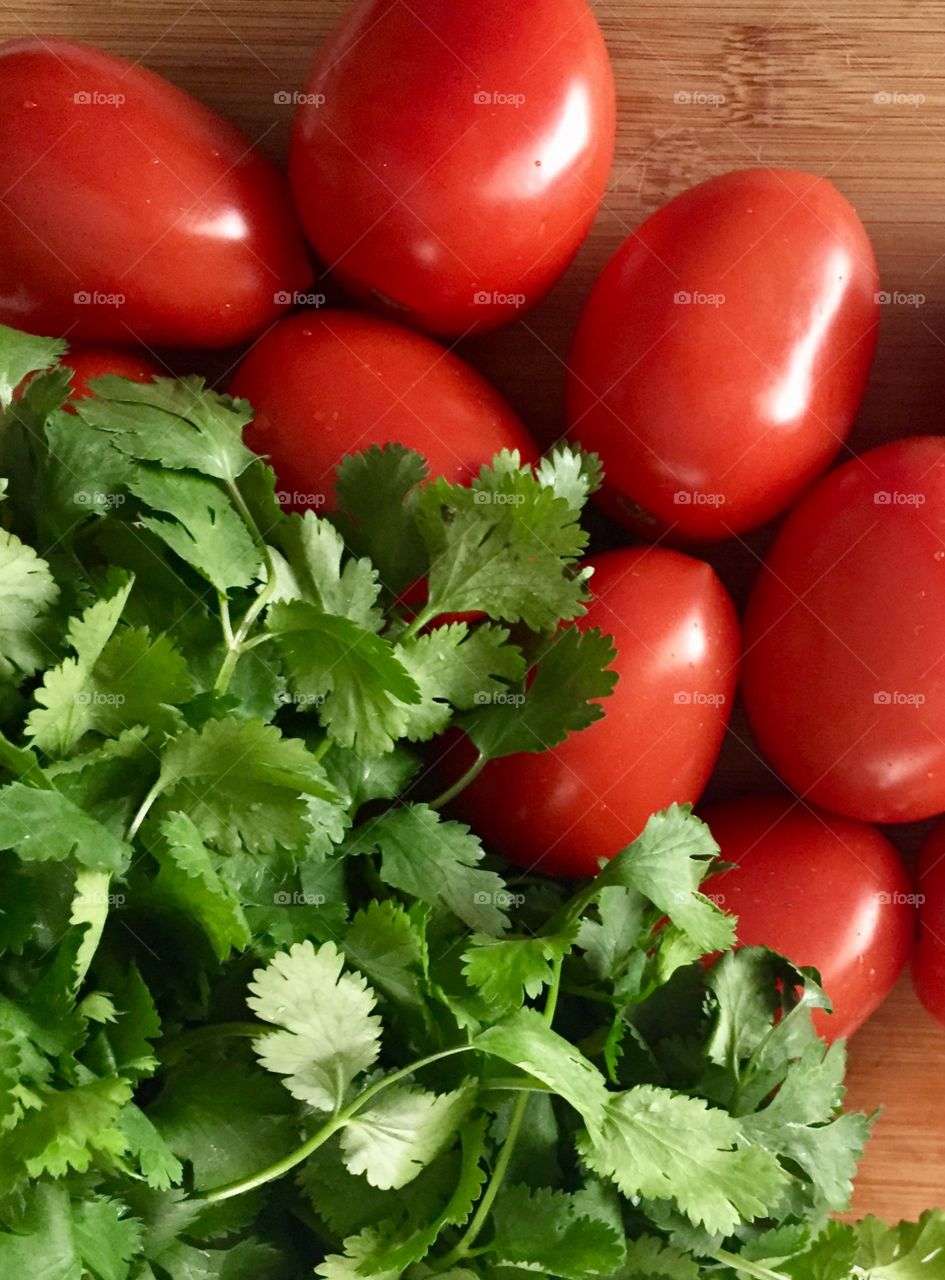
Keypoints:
pixel 452 157
pixel 676 634
pixel 823 891
pixel 132 213
pixel 89 363
pixel 928 961
pixel 722 354
pixel 843 676
pixel 328 383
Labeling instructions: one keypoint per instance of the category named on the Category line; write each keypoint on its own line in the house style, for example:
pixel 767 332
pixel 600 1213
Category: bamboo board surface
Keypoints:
pixel 798 85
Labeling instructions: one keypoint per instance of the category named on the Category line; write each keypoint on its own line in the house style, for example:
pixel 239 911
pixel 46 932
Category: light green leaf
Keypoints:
pixel 310 569
pixel 28 591
pixel 667 1146
pixel 402 1132
pixel 328 1033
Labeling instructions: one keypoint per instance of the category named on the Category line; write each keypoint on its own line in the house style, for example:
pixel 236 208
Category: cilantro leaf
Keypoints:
pixel 309 569
pixel 22 354
pixel 206 530
pixel 453 667
pixel 548 1230
pixel 179 424
pixel 571 473
pixel 506 546
pixel 569 677
pixel 188 879
pixel 69 1129
pixel 649 1258
pixel 526 1041
pixel 242 785
pixel 329 1034
pixel 353 676
pixel 506 970
pixel 403 1131
pixel 388 944
pixel 159 1167
pixel 376 492
pixel 666 1146
pixel 667 863
pixel 106 1238
pixel 910 1251
pixel 28 592
pixel 437 861
pixel 43 825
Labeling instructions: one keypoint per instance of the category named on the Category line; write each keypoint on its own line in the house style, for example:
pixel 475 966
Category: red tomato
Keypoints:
pixel 722 354
pixel 844 677
pixel 928 961
pixel 96 362
pixel 331 383
pixel 131 212
pixel 676 636
pixel 821 890
pixel 451 157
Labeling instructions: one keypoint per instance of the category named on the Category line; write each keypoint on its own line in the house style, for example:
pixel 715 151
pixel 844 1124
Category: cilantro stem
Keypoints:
pixel 209 1032
pixel 338 1121
pixel 237 639
pixel 425 616
pixel 746 1268
pixel 463 1246
pixel 461 783
pixel 145 808
pixel 225 618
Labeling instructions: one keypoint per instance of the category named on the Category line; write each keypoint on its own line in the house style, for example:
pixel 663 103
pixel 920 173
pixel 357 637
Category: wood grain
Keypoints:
pixel 798 84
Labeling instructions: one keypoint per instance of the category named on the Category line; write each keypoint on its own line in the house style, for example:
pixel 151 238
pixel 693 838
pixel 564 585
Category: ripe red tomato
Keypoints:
pixel 331 383
pixel 843 674
pixel 821 890
pixel 928 961
pixel 676 636
pixel 95 362
pixel 131 212
pixel 722 354
pixel 450 158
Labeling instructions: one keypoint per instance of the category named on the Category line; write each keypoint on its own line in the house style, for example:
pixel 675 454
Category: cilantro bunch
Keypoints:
pixel 265 1013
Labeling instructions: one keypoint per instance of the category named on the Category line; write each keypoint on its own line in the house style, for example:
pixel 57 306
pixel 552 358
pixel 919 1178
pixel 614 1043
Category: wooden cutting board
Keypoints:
pixel 795 84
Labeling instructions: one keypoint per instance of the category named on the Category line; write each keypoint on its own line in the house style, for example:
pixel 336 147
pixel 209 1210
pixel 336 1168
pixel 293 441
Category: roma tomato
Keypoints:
pixel 720 359
pixel 928 960
pixel 821 890
pixel 328 383
pixel 676 636
pixel 131 212
pixel 450 158
pixel 95 362
pixel 843 676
